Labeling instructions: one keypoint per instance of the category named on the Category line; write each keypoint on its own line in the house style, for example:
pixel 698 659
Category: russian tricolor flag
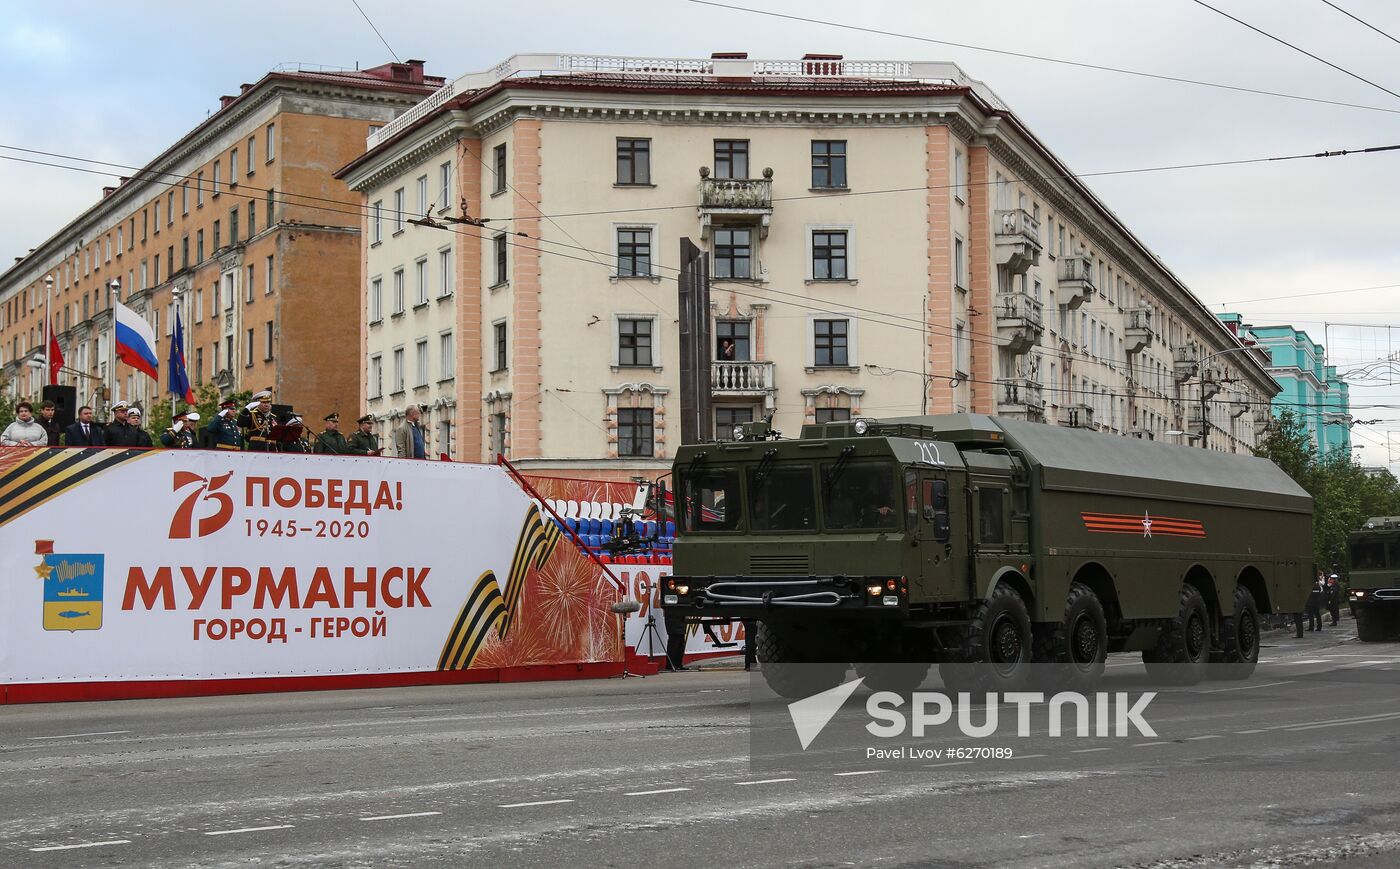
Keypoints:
pixel 135 341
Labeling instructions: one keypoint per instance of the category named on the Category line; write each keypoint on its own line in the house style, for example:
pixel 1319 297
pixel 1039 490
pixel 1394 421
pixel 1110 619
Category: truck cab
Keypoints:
pixel 1373 578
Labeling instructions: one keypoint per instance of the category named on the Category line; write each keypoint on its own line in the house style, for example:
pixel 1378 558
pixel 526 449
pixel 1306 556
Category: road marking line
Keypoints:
pixel 949 763
pixel 652 793
pixel 1364 663
pixel 536 803
pixel 1087 750
pixel 1377 720
pixel 1247 732
pixel 1362 719
pixel 1309 661
pixel 76 735
pixel 861 772
pixel 1245 687
pixel 396 817
pixel 1146 744
pixel 249 830
pixel 1027 756
pixel 83 845
pixel 766 781
pixel 1199 738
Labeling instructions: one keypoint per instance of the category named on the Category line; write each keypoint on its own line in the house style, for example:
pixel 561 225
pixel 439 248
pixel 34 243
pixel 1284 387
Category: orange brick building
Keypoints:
pixel 241 226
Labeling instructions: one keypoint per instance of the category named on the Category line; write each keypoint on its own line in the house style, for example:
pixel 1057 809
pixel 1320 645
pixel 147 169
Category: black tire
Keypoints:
pixel 1074 650
pixel 1239 634
pixel 996 654
pixel 1372 626
pixel 1182 653
pixel 900 677
pixel 789 669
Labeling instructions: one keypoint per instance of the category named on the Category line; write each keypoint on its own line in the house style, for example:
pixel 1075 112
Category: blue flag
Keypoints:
pixel 179 377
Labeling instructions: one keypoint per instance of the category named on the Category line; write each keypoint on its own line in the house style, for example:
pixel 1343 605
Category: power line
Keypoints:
pixel 1044 58
pixel 392 53
pixel 1363 23
pixel 1282 41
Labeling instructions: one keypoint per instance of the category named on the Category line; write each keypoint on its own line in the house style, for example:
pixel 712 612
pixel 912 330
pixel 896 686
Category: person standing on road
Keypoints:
pixel 1334 598
pixel 1314 605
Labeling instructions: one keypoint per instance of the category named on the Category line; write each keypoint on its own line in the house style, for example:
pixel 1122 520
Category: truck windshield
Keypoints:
pixel 710 500
pixel 863 495
pixel 1368 555
pixel 782 499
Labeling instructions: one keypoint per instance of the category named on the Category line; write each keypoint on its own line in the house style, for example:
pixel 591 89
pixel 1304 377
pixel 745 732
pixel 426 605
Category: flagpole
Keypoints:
pixel 113 383
pixel 48 331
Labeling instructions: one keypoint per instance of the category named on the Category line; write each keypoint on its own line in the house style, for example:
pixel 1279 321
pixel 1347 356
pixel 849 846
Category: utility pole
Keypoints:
pixel 693 293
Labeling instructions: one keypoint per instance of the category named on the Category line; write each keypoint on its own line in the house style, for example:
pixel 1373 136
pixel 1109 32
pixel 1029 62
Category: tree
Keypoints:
pixel 7 402
pixel 207 400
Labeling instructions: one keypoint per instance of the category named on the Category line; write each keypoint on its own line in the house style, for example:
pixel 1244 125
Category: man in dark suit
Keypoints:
pixel 84 432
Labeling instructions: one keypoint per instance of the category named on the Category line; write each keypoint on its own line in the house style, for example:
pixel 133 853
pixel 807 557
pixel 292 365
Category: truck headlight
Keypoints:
pixel 738 432
pixel 874 589
pixel 682 589
pixel 861 426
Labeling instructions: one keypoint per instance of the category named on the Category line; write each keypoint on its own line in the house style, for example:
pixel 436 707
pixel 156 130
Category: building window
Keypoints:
pixel 828 164
pixel 145 231
pixel 269 286
pixel 499 244
pixel 398 291
pixel 498 166
pixel 248 285
pixel 185 198
pixel 267 334
pixel 252 218
pixel 634 253
pixel 199 366
pixel 199 305
pixel 252 153
pixel 218 167
pixel 633 161
pixel 733 254
pixel 832 414
pixel 398 210
pixel 445 182
pixel 248 349
pixel 377 221
pixel 155 208
pixel 634 342
pixel 828 255
pixel 424 206
pixel 398 370
pixel 421 357
pixel 829 342
pixel 376 300
pixel 233 225
pixel 233 168
pixel 635 435
pixel 498 433
pixel 271 201
pixel 218 237
pixel 959 171
pixel 962 357
pixel 447 357
pixel 444 273
pixel 731 158
pixel 498 331
pixel 732 342
pixel 120 241
pixel 959 272
pixel 270 145
pixel 420 270
pixel 727 418
pixel 375 386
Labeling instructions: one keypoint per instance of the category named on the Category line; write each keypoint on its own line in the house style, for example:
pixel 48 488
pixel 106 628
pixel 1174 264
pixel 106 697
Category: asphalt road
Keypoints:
pixel 1298 766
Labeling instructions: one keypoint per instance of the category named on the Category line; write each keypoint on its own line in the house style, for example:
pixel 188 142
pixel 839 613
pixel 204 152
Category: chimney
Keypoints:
pixel 108 191
pixel 415 72
pixel 244 88
pixel 225 100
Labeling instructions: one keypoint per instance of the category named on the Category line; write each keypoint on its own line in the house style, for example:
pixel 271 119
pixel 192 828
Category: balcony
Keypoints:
pixel 1185 360
pixel 741 379
pixel 1194 418
pixel 1077 416
pixel 1022 398
pixel 1020 321
pixel 1076 281
pixel 1017 240
pixel 1138 334
pixel 735 201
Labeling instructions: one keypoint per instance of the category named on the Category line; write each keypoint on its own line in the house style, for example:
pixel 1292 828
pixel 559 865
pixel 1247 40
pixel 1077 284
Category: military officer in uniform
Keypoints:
pixel 222 432
pixel 331 441
pixel 298 443
pixel 256 422
pixel 180 435
pixel 364 442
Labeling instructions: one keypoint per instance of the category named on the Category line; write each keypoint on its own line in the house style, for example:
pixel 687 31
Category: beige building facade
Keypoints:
pixel 886 239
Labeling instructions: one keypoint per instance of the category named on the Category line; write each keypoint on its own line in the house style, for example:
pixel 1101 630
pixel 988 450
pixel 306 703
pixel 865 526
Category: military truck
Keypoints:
pixel 969 539
pixel 1373 578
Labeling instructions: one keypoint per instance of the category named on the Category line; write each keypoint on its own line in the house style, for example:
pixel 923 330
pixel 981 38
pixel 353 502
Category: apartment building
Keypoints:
pixel 885 238
pixel 241 226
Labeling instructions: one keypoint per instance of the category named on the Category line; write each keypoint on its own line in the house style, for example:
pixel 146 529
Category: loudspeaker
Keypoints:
pixel 65 404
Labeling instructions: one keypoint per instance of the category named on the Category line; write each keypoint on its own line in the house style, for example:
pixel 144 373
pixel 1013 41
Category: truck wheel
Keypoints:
pixel 1182 653
pixel 789 670
pixel 997 651
pixel 901 677
pixel 1240 635
pixel 1372 626
pixel 1076 648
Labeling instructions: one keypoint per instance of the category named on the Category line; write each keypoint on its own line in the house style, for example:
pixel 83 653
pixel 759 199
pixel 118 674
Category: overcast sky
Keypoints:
pixel 121 81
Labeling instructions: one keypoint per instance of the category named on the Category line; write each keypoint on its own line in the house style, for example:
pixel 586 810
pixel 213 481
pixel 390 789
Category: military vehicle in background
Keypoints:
pixel 968 539
pixel 1373 578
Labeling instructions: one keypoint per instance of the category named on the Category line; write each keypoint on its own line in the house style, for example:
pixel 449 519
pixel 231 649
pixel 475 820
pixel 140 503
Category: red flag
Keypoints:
pixel 55 356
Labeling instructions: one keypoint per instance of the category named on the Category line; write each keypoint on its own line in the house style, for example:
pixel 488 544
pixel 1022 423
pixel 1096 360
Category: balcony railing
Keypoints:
pixel 1022 394
pixel 1138 334
pixel 1076 280
pixel 1077 416
pixel 746 194
pixel 1020 320
pixel 1017 240
pixel 741 378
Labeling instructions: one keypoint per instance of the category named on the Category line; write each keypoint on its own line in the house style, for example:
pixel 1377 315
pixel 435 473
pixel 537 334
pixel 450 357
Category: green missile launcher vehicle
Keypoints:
pixel 969 539
pixel 1373 578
